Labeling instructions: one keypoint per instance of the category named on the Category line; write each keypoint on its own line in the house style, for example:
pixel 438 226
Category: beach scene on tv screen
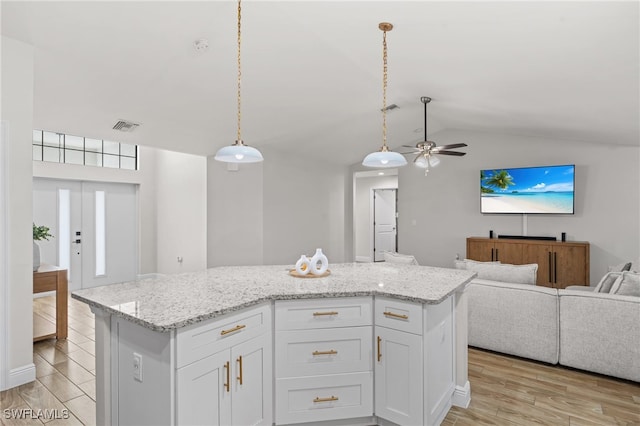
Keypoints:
pixel 527 190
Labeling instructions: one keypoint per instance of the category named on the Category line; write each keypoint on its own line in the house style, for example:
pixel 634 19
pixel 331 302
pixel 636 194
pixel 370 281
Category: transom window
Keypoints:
pixel 69 149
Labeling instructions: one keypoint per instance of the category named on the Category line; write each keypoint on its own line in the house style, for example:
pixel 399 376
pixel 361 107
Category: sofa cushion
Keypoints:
pixel 392 257
pixel 605 284
pixel 516 319
pixel 627 284
pixel 504 272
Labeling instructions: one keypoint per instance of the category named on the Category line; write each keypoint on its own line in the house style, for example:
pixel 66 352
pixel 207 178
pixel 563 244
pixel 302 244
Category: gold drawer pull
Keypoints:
pixel 394 315
pixel 330 352
pixel 319 314
pixel 330 399
pixel 379 351
pixel 231 330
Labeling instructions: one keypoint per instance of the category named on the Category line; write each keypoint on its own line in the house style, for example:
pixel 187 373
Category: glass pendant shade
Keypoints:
pixel 238 153
pixel 384 159
pixel 426 162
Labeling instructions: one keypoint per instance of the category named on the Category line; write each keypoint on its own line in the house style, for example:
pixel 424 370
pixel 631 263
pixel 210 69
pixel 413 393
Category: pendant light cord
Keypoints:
pixel 384 91
pixel 239 139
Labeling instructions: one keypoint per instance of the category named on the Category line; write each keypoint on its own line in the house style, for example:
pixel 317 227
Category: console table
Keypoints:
pixel 560 264
pixel 53 278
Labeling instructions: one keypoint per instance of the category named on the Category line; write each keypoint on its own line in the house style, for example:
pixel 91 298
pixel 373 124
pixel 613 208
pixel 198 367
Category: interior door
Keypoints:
pixel 384 222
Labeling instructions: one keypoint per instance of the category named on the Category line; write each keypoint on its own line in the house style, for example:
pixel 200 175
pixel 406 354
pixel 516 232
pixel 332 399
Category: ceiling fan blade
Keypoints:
pixel 456 153
pixel 454 145
pixel 410 152
pixel 409 146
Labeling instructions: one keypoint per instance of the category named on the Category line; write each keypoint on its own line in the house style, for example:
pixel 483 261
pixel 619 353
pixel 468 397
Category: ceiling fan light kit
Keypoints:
pixel 384 158
pixel 425 151
pixel 238 152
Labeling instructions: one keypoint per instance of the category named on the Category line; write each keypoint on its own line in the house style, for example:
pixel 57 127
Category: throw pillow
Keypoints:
pixel 406 259
pixel 628 284
pixel 462 264
pixel 605 284
pixel 518 274
pixel 633 266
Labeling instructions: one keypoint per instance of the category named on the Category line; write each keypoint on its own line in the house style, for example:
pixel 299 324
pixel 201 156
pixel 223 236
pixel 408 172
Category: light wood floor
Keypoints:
pixel 504 390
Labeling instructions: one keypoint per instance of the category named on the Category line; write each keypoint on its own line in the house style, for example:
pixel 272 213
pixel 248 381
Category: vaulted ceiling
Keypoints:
pixel 312 71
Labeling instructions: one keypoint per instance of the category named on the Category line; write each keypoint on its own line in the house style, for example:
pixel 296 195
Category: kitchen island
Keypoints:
pixel 233 345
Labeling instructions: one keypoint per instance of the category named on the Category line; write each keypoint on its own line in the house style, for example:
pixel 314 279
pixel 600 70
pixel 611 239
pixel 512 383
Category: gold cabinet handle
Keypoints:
pixel 330 399
pixel 231 330
pixel 240 369
pixel 379 351
pixel 227 386
pixel 320 314
pixel 329 352
pixel 394 315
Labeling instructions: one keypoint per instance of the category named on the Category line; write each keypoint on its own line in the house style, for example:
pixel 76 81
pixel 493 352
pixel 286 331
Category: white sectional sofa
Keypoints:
pixel 593 331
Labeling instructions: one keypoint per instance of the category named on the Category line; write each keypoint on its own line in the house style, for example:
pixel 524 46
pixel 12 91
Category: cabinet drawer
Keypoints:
pixel 320 398
pixel 399 315
pixel 323 313
pixel 208 337
pixel 323 351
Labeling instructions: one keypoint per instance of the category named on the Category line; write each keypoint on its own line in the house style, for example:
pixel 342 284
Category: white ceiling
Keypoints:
pixel 312 71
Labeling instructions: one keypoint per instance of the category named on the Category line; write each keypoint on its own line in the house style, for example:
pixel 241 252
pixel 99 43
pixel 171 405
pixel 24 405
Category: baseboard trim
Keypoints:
pixel 21 375
pixel 462 396
pixel 363 259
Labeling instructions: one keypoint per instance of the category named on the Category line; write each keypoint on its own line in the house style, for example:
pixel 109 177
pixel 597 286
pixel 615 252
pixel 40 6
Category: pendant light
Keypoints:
pixel 239 152
pixel 384 158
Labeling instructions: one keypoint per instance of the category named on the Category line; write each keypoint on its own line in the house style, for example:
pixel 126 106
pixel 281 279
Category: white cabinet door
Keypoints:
pixel 203 395
pixel 399 376
pixel 252 398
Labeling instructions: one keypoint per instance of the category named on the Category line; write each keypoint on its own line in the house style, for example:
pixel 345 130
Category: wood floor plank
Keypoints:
pixel 84 408
pixel 74 371
pixel 38 397
pixel 43 368
pixel 61 387
pixel 11 399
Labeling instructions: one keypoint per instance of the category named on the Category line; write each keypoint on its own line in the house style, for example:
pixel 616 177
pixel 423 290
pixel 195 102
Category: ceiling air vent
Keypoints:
pixel 125 126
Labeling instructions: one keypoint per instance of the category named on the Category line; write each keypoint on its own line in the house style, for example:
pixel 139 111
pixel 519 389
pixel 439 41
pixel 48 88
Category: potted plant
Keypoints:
pixel 39 233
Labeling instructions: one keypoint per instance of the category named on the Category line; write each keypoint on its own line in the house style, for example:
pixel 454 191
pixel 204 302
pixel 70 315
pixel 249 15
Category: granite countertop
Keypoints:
pixel 173 301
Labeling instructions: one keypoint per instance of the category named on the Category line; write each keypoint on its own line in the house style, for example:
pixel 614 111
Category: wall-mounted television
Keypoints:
pixel 528 190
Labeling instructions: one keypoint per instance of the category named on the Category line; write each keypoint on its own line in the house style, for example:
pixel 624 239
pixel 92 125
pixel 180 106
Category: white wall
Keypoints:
pixel 181 209
pixel 304 208
pixel 17 115
pixel 446 203
pixel 272 212
pixel 363 210
pixel 234 214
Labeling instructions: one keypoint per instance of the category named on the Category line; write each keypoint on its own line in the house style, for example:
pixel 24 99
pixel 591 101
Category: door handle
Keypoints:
pixel 379 350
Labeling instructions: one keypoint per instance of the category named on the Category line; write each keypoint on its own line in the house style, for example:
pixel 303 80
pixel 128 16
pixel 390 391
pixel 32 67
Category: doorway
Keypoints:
pixel 364 184
pixel 95 228
pixel 385 222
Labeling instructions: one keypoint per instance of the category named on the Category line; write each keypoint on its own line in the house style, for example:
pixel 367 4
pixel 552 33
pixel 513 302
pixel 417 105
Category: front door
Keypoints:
pixel 94 225
pixel 384 222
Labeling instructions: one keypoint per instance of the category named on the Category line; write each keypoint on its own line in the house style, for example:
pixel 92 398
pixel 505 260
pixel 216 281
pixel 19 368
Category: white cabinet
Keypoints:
pixel 202 397
pixel 399 362
pixel 232 386
pixel 323 358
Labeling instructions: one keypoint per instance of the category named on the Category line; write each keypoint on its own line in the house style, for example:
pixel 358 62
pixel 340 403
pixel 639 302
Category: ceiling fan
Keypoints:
pixel 427 149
